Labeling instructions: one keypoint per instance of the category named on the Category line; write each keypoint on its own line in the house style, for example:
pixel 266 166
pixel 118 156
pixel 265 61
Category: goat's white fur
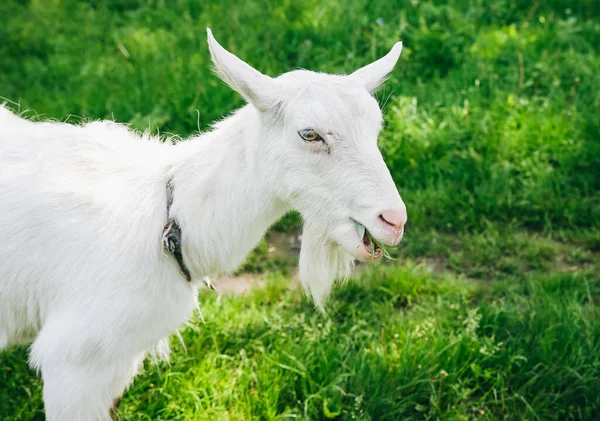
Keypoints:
pixel 83 273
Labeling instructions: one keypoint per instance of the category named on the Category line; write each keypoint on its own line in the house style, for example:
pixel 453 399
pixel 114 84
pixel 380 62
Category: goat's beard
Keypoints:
pixel 322 262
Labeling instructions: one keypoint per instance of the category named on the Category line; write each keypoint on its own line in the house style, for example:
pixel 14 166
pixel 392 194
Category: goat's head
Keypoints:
pixel 322 157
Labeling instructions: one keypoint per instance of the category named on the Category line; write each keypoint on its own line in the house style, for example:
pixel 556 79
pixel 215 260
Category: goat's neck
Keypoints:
pixel 223 200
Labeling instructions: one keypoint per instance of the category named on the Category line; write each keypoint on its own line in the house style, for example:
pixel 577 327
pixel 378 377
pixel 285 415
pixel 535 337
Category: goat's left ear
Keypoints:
pixel 374 74
pixel 256 88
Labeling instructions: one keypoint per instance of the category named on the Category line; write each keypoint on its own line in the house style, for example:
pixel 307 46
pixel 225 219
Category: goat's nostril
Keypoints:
pixel 393 218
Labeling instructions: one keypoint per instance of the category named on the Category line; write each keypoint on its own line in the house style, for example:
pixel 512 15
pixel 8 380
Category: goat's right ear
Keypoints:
pixel 258 89
pixel 373 75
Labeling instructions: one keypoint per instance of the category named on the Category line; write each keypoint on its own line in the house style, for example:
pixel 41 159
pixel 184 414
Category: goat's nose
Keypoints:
pixel 394 218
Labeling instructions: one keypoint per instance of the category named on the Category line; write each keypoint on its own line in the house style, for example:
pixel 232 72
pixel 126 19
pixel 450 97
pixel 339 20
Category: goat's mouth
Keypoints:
pixel 370 246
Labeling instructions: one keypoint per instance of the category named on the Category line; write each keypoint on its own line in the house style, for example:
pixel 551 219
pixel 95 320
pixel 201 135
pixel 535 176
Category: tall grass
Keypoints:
pixel 402 344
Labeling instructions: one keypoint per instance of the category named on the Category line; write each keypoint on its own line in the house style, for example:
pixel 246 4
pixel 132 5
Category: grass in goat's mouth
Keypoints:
pixel 376 249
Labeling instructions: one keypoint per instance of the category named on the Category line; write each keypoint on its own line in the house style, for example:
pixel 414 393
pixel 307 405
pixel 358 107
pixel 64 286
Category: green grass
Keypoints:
pixel 401 343
pixel 493 137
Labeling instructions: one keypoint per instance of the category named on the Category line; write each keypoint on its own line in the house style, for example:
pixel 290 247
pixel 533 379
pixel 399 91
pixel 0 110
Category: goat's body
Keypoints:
pixel 83 273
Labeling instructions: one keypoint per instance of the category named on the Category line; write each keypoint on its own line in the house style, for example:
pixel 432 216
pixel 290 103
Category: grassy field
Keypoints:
pixel 491 308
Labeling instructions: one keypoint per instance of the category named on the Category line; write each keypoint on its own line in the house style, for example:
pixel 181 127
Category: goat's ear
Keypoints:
pixel 256 88
pixel 374 74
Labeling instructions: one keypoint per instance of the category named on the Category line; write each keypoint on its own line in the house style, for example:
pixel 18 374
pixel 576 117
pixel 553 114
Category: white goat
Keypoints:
pixel 84 273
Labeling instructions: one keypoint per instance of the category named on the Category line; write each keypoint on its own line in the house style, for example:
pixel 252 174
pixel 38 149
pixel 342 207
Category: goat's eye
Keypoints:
pixel 310 135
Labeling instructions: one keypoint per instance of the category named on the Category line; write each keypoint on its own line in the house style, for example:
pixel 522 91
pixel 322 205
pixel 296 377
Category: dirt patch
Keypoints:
pixel 237 284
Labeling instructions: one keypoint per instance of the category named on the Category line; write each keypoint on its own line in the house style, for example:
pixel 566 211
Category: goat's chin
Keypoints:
pixel 322 262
